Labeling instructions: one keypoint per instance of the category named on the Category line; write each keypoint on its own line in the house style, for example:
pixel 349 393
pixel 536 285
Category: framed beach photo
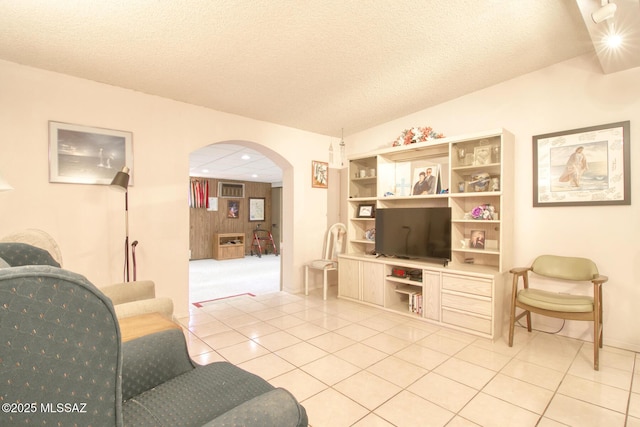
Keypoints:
pixel 582 167
pixel 88 155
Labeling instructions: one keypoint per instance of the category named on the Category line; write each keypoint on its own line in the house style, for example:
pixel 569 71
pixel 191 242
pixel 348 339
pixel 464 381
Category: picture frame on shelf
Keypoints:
pixel 476 240
pixel 88 155
pixel 366 210
pixel 319 174
pixel 583 167
pixel 426 180
pixel 482 155
pixel 256 209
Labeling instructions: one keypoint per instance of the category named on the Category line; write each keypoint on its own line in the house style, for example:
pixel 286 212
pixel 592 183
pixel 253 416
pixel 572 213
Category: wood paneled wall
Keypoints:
pixel 203 224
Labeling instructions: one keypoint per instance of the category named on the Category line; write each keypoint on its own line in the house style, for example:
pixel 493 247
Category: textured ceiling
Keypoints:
pixel 317 65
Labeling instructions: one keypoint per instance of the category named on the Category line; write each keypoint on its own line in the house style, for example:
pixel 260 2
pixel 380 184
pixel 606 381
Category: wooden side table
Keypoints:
pixel 144 324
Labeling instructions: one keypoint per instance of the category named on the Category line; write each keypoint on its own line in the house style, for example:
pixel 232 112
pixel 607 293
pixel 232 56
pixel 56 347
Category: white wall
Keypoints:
pixel 569 95
pixel 88 220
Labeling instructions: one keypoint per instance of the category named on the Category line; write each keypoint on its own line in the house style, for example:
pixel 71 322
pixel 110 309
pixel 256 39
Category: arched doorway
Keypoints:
pixel 249 166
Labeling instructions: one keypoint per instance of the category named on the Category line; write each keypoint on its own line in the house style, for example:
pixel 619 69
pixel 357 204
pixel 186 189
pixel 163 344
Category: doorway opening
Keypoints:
pixel 261 175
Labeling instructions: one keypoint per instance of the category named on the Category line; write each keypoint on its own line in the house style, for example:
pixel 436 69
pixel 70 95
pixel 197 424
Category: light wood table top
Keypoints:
pixel 144 324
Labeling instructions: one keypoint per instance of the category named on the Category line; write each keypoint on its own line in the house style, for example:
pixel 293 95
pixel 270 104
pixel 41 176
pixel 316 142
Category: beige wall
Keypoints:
pixel 88 220
pixel 565 96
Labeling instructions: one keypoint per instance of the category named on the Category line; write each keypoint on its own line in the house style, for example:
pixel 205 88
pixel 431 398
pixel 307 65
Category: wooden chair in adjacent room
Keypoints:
pixel 560 305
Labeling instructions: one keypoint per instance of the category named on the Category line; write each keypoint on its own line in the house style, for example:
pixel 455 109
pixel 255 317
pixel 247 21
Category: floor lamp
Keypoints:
pixel 121 183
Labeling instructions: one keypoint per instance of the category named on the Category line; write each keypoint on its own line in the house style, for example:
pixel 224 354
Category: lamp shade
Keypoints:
pixel 4 185
pixel 121 180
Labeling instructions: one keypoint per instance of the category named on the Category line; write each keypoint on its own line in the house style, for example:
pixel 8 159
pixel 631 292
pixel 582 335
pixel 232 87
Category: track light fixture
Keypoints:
pixel 605 12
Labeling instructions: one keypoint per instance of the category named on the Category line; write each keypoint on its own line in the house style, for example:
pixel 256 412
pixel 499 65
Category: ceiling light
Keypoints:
pixel 613 40
pixel 605 12
pixel 245 157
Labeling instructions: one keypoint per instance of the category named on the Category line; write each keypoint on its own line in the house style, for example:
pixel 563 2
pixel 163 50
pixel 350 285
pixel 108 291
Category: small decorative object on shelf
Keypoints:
pixel 480 181
pixel 416 134
pixel 482 212
pixel 370 234
pixel 477 239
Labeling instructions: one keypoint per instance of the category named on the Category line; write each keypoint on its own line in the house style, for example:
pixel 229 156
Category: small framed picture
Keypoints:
pixel 366 210
pixel 477 239
pixel 233 209
pixel 426 179
pixel 319 174
pixel 482 155
pixel 256 208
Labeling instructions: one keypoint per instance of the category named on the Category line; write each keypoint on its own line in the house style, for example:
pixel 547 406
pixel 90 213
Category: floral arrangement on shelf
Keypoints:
pixel 482 212
pixel 416 134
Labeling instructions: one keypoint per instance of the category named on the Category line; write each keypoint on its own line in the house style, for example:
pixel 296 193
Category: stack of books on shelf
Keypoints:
pixel 415 303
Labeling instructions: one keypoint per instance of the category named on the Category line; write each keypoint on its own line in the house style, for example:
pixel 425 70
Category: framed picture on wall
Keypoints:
pixel 233 209
pixel 88 155
pixel 582 167
pixel 319 174
pixel 256 209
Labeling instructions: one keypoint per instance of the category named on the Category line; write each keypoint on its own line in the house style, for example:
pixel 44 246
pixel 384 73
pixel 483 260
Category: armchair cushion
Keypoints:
pixel 153 359
pixel 19 254
pixel 120 293
pixel 555 301
pixel 208 392
pixel 133 298
pixel 274 408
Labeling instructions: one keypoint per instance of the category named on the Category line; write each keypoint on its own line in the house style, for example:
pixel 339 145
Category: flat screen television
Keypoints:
pixel 414 233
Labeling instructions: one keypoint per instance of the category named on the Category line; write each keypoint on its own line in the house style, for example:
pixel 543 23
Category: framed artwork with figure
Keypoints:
pixel 319 174
pixel 583 167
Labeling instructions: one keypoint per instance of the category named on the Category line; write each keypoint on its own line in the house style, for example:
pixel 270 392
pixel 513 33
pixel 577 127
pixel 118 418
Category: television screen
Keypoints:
pixel 414 232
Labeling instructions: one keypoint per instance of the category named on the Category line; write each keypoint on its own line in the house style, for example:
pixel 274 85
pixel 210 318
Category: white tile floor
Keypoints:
pixel 353 365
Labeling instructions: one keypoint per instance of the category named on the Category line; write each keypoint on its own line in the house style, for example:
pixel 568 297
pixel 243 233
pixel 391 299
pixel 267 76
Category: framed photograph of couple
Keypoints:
pixel 426 179
pixel 583 167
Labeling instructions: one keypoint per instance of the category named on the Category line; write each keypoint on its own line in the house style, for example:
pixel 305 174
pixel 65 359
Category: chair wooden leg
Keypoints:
pixel 512 324
pixel 324 283
pixel 306 280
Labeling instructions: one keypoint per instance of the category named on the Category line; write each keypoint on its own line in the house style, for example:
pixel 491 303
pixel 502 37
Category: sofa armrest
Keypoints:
pixel 275 408
pixel 121 293
pixel 163 306
pixel 152 360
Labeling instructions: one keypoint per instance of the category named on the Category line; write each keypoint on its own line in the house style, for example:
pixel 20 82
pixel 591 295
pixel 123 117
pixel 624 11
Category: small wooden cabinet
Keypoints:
pixel 228 245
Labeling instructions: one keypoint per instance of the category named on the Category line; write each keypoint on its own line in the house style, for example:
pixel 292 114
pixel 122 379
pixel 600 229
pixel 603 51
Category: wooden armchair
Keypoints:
pixel 560 305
